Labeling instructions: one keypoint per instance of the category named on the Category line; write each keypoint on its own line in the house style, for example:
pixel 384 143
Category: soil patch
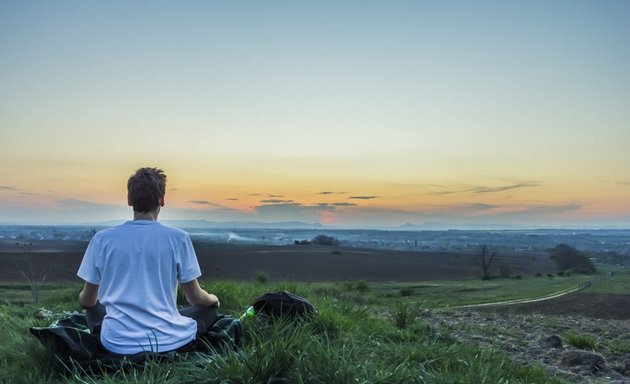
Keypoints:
pixel 538 332
pixel 290 262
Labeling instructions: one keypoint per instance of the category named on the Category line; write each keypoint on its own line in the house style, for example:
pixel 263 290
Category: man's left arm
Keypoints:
pixel 197 296
pixel 89 295
pixel 89 272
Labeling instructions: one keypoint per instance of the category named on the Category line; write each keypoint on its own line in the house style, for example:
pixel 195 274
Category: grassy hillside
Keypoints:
pixel 362 333
pixel 440 294
pixel 618 285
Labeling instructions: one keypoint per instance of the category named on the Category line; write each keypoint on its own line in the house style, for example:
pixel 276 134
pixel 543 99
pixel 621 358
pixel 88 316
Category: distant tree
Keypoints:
pixel 35 276
pixel 569 258
pixel 483 258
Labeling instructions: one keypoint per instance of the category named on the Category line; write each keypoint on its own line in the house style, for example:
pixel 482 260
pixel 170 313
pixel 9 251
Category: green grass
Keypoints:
pixel 476 291
pixel 619 284
pixel 619 346
pixel 355 337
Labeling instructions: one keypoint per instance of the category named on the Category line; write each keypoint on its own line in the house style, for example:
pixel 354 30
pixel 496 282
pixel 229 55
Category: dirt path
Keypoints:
pixel 553 296
pixel 521 301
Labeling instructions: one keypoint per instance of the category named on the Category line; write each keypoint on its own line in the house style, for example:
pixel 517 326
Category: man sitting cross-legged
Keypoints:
pixel 131 273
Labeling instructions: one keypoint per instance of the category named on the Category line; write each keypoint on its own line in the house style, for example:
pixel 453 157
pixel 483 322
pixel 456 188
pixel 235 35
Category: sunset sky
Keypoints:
pixel 346 113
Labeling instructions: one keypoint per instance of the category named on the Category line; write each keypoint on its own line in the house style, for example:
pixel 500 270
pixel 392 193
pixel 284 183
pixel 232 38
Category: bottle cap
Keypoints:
pixel 249 313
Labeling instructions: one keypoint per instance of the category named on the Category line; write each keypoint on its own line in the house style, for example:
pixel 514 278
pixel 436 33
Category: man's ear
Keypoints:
pixel 162 201
pixel 129 200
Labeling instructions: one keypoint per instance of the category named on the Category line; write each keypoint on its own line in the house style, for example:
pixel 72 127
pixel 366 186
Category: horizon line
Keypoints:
pixel 431 226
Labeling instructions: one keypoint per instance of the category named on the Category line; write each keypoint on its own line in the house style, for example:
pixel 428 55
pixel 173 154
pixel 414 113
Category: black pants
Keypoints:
pixel 204 316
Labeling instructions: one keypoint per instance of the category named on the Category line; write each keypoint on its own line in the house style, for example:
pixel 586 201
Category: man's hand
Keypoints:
pixel 196 296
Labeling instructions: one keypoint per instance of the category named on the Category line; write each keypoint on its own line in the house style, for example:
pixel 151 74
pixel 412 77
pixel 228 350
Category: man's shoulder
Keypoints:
pixel 107 231
pixel 171 230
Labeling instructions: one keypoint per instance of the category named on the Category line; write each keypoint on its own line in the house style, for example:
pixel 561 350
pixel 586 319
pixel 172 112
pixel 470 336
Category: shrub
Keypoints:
pixel 538 274
pixel 325 240
pixel 406 292
pixel 505 271
pixel 518 277
pixel 579 340
pixel 403 314
pixel 362 286
pixel 261 277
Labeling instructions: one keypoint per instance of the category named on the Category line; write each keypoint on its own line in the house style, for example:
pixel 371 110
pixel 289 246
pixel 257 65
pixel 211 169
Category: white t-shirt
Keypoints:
pixel 137 266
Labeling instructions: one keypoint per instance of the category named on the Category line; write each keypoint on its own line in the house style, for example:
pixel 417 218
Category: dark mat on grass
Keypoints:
pixel 70 340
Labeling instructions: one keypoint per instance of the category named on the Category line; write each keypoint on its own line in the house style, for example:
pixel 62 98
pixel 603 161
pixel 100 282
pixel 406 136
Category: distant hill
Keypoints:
pixel 241 224
pixel 435 226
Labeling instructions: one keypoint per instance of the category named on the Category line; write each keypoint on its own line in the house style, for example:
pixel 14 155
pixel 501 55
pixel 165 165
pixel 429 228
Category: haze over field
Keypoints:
pixel 356 113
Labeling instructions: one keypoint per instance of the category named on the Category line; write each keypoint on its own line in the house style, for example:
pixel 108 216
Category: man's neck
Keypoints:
pixel 150 216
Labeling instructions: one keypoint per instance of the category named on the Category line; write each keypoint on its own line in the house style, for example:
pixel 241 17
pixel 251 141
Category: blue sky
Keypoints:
pixel 457 112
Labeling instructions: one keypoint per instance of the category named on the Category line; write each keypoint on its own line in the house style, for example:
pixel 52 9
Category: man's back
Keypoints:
pixel 138 265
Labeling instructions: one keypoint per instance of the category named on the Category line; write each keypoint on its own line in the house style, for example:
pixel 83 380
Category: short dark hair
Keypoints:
pixel 145 188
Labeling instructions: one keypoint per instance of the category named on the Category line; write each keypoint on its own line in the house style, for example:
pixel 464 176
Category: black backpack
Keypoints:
pixel 283 304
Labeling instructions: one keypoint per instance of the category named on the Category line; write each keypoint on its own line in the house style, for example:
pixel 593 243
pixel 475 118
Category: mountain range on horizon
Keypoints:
pixel 426 226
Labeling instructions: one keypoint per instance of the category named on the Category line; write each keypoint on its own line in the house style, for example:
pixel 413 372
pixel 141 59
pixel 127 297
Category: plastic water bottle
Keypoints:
pixel 249 313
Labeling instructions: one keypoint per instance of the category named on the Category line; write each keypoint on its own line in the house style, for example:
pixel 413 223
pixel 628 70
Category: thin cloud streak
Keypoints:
pixel 292 211
pixel 363 197
pixel 281 205
pixel 213 205
pixel 79 204
pixel 477 207
pixel 481 190
pixel 549 209
pixel 335 205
